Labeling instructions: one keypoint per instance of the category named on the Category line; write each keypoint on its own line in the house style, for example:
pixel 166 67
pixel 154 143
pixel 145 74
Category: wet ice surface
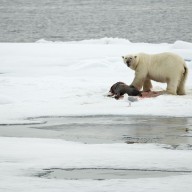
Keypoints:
pixel 105 173
pixel 106 150
pixel 174 132
pixel 107 129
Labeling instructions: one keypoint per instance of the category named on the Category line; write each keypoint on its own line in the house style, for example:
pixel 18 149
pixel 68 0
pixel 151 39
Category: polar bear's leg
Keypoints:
pixel 172 87
pixel 171 90
pixel 147 85
pixel 181 86
pixel 139 80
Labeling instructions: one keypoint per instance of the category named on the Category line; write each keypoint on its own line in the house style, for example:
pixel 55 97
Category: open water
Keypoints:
pixel 154 21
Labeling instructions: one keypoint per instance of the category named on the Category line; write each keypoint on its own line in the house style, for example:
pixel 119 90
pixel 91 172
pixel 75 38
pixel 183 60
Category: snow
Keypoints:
pixel 46 79
pixel 72 78
pixel 182 45
pixel 22 158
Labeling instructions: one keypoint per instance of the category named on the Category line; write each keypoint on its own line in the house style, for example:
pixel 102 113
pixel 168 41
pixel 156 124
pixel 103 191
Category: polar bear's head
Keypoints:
pixel 130 61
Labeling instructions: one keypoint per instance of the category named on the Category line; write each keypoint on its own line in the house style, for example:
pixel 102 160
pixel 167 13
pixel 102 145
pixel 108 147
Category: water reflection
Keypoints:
pixel 112 129
pixel 107 129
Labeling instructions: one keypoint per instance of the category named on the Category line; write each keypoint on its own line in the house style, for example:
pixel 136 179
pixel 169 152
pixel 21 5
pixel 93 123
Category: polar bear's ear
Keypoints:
pixel 135 56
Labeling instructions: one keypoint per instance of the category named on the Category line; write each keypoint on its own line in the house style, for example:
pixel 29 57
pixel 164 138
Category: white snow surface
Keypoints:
pixel 23 158
pixel 73 78
pixel 54 78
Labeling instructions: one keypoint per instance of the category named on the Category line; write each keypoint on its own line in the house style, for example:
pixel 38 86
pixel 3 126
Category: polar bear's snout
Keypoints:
pixel 127 60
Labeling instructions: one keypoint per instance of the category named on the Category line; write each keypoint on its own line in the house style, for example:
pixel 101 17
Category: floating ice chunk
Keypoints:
pixel 105 40
pixel 182 45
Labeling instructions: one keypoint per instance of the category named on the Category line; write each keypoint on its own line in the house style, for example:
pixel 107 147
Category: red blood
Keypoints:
pixel 150 94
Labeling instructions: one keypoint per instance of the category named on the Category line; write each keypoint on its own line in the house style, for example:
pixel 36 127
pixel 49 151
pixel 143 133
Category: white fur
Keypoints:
pixel 164 67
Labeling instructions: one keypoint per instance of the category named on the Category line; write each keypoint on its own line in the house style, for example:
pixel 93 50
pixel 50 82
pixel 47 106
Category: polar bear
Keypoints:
pixel 163 67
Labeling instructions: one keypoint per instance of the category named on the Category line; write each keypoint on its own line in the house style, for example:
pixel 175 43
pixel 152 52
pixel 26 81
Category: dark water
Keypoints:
pixel 66 20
